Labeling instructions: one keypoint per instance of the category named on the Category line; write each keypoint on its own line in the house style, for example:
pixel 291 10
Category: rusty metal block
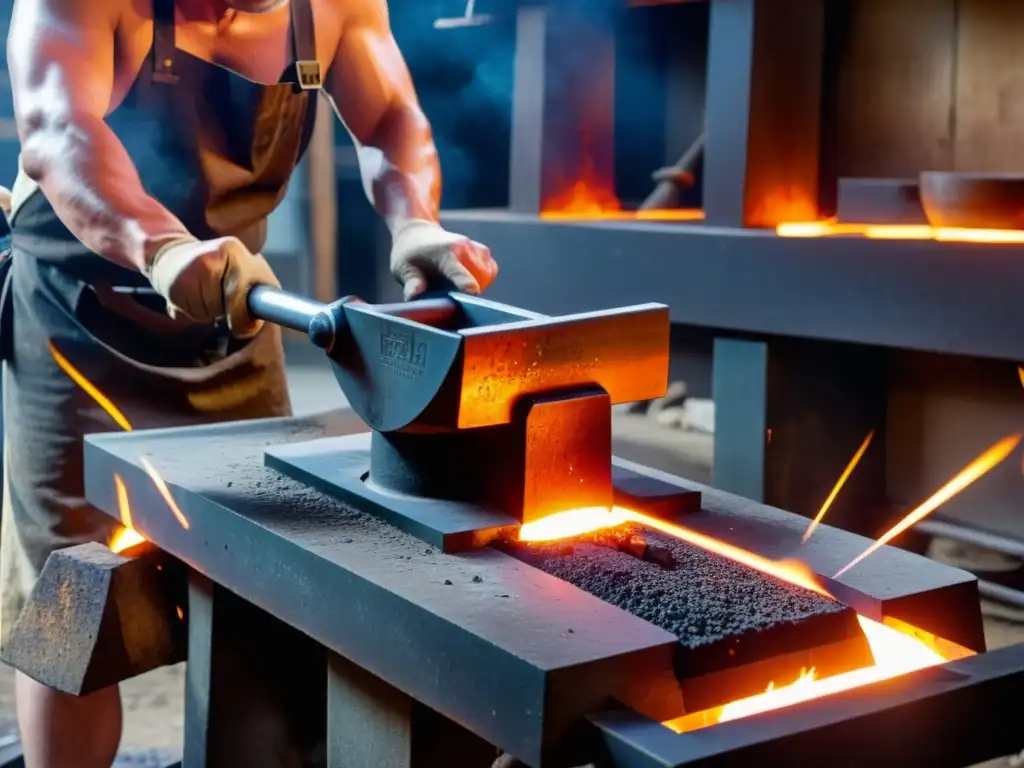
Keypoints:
pixel 96 618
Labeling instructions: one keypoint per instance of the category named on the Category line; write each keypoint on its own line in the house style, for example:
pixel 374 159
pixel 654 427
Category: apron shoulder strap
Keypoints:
pixel 307 75
pixel 164 47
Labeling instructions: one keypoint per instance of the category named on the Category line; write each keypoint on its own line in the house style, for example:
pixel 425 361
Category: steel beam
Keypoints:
pixel 479 638
pixel 756 282
pixel 967 708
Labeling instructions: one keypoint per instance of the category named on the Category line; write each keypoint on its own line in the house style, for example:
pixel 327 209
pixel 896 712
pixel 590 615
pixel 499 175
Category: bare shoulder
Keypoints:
pixel 67 16
pixel 349 14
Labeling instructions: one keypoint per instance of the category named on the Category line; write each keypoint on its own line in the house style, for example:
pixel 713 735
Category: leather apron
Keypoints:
pixel 217 150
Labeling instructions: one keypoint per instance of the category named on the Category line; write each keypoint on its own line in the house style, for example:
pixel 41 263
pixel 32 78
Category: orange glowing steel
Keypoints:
pixel 90 389
pixel 165 492
pixel 577 522
pixel 126 537
pixel 896 650
pixel 896 653
pixel 838 486
pixel 976 469
pixel 832 228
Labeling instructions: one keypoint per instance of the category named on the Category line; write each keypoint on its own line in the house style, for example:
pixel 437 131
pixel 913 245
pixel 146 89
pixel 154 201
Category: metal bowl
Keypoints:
pixel 973 200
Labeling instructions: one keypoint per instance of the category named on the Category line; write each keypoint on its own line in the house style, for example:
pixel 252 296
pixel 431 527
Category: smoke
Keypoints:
pixel 464 77
pixel 464 80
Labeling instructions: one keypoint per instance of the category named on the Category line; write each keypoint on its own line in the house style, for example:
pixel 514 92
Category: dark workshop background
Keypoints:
pixel 464 80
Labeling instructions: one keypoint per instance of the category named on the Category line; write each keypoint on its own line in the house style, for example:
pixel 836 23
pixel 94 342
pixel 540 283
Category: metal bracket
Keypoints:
pixel 308 75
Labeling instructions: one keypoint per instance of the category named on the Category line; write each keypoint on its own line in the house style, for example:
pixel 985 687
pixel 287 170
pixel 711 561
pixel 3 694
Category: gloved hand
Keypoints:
pixel 208 280
pixel 422 251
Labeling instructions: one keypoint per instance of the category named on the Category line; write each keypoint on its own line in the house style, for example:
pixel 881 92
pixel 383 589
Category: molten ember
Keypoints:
pixel 838 486
pixel 990 459
pixel 832 228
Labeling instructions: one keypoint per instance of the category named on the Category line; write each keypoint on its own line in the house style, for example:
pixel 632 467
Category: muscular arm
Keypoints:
pixel 374 95
pixel 60 55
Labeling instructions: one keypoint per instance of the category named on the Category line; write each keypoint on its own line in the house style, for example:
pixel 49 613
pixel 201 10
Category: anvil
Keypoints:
pixel 483 416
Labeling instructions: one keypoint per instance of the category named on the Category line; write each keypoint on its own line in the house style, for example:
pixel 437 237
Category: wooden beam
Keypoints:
pixel 989 131
pixel 895 88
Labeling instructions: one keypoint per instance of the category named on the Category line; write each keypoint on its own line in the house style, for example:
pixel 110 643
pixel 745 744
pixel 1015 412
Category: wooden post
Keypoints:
pixel 763 116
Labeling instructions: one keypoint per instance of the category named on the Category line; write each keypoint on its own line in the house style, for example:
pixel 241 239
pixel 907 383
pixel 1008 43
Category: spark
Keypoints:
pixel 165 492
pixel 838 486
pixel 90 389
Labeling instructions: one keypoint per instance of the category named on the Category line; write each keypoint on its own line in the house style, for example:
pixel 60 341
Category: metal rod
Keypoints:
pixel 283 308
pixel 1001 593
pixel 969 535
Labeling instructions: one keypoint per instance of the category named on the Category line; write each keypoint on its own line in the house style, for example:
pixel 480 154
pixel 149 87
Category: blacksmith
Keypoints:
pixel 156 137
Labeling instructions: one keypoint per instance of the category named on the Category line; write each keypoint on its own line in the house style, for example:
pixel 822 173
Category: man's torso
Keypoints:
pixel 255 46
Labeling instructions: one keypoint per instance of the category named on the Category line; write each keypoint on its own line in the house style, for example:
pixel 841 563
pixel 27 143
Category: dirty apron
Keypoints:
pixel 217 150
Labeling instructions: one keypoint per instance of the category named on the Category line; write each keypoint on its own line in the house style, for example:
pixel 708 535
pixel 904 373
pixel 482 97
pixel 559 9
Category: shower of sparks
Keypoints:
pixel 990 459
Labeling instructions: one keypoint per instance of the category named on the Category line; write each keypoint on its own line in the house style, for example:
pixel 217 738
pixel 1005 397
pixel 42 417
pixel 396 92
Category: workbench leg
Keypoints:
pixel 374 725
pixel 790 415
pixel 255 690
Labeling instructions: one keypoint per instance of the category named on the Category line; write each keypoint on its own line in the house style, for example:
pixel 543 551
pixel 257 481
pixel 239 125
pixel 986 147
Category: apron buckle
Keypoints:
pixel 308 75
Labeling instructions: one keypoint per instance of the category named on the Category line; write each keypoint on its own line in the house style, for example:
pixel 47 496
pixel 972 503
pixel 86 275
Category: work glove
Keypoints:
pixel 422 252
pixel 208 280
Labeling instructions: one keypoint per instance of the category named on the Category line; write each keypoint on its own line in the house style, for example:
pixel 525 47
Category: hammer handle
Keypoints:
pixel 288 310
pixel 321 322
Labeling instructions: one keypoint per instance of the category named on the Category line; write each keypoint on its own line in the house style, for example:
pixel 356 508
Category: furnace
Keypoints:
pixel 649 622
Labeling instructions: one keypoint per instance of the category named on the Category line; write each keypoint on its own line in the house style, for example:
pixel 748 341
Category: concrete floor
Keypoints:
pixel 154 702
